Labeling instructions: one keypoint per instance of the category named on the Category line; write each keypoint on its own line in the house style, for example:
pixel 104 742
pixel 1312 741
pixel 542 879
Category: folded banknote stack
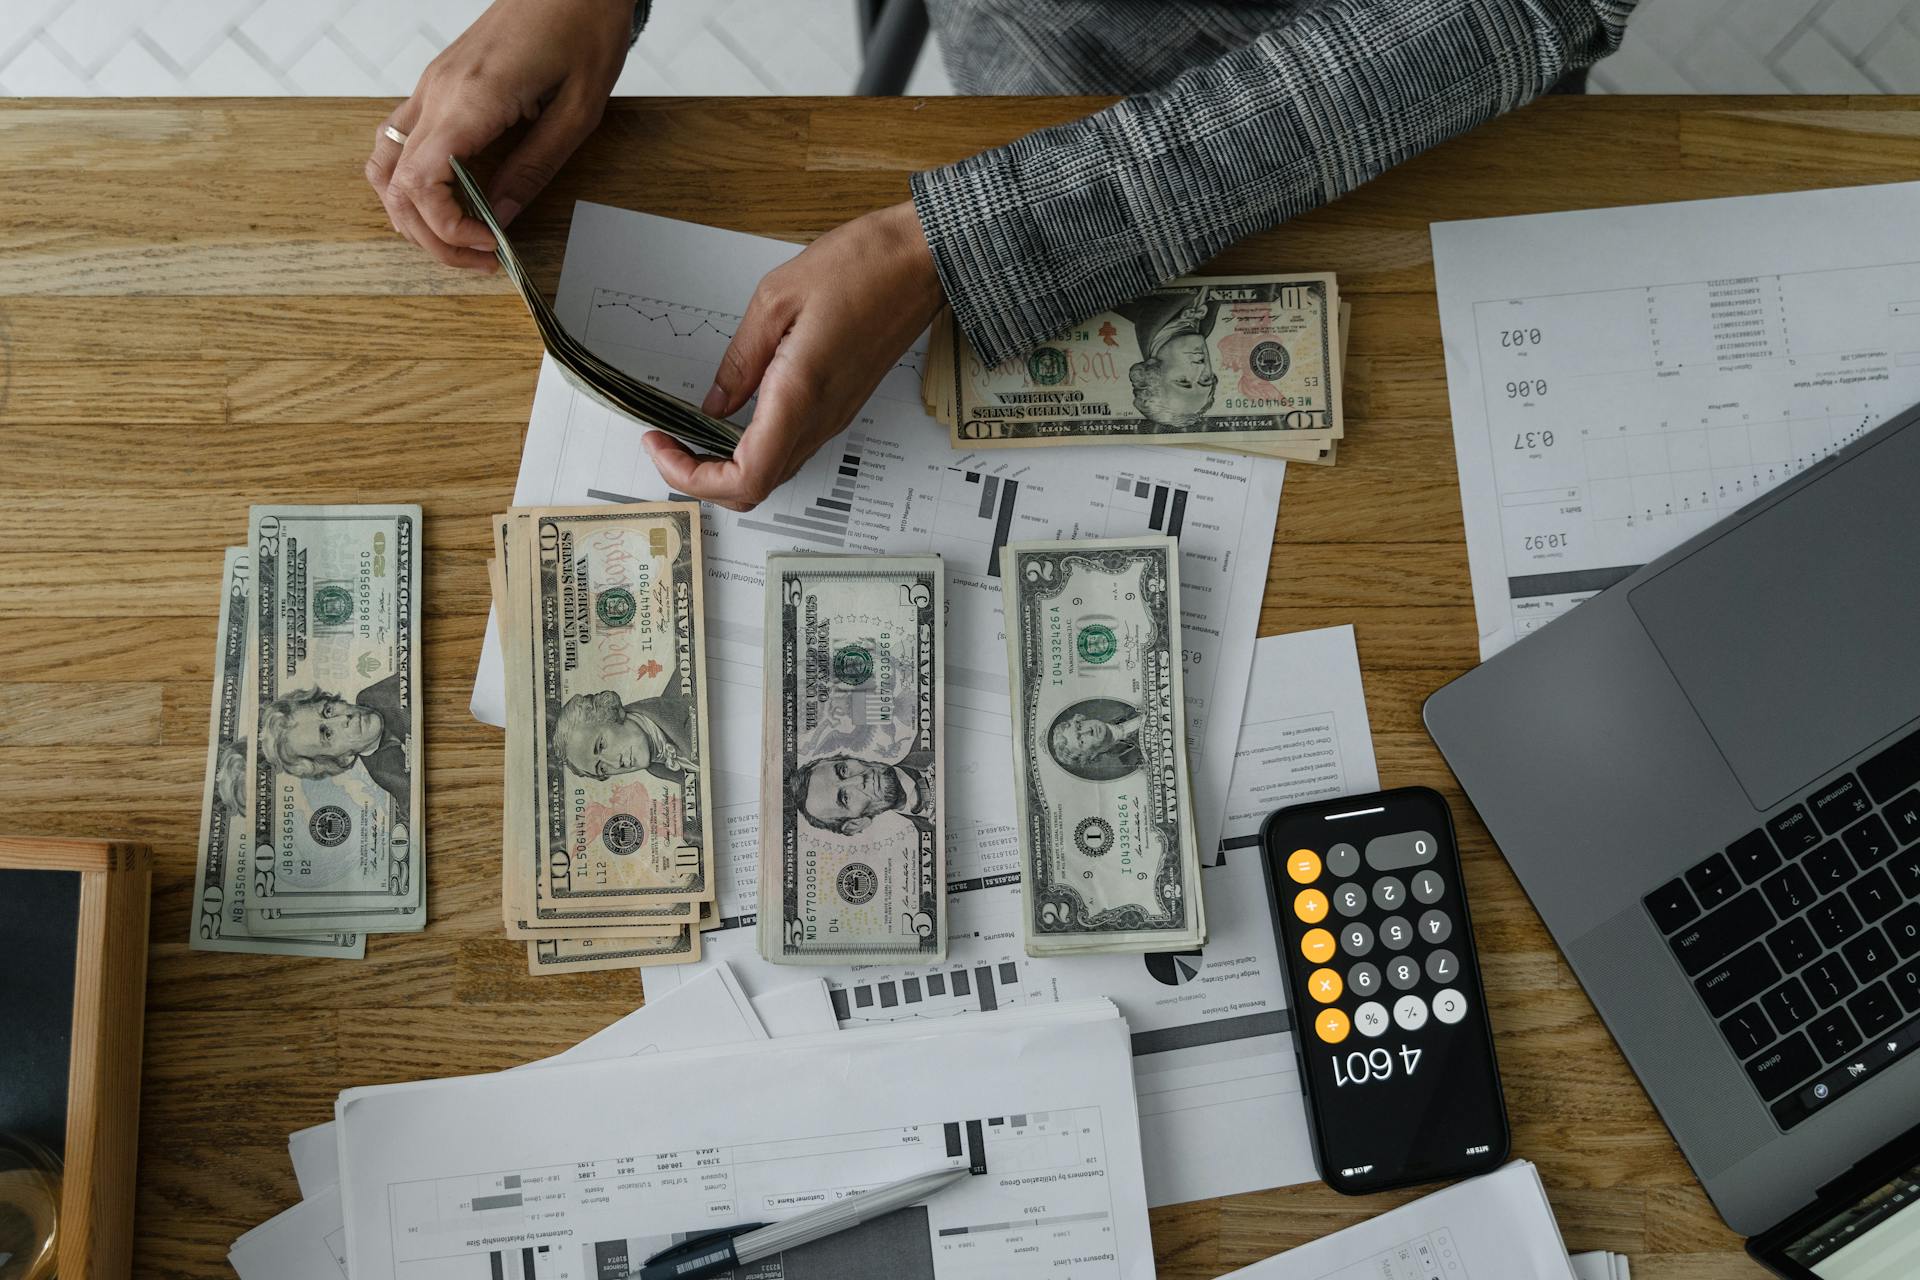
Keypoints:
pixel 311 815
pixel 1245 364
pixel 606 857
pixel 603 381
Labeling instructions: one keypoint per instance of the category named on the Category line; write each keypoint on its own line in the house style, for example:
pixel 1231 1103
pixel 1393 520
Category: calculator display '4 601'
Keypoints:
pixel 1389 1017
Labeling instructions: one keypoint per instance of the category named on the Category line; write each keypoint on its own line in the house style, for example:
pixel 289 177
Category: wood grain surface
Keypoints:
pixel 201 305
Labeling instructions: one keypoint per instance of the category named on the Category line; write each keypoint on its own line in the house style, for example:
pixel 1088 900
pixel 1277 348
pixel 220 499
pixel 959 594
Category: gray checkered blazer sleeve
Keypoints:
pixel 1039 234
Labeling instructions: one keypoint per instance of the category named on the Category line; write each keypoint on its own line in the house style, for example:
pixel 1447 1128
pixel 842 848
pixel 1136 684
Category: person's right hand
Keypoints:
pixel 552 62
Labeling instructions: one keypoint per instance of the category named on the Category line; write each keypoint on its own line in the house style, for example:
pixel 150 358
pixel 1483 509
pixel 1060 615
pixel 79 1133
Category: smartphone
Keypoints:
pixel 1389 1018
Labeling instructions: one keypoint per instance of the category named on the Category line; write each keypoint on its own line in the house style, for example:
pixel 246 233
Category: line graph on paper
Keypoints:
pixel 621 326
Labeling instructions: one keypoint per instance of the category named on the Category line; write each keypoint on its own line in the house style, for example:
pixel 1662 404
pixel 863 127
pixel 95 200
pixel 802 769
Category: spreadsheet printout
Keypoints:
pixel 657 297
pixel 580 1172
pixel 1620 379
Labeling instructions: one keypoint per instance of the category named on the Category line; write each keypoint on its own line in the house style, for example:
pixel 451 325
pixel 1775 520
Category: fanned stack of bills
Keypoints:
pixel 310 823
pixel 607 839
pixel 633 397
pixel 1110 861
pixel 852 838
pixel 1246 364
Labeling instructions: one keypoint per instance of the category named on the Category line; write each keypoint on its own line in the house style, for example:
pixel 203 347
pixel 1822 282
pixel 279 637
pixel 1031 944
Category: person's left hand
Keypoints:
pixel 820 333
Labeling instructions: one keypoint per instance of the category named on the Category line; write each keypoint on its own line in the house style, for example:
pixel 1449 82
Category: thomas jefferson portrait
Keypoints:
pixel 311 733
pixel 845 794
pixel 598 736
pixel 1097 739
pixel 1173 381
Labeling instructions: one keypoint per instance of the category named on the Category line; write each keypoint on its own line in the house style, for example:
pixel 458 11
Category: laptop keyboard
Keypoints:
pixel 1802 937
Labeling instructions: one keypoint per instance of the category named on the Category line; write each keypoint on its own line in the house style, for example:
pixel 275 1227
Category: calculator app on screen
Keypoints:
pixel 1389 1017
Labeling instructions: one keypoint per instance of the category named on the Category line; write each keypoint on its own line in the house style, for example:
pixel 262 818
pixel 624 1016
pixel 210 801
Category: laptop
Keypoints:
pixel 1707 779
pixel 1865 1227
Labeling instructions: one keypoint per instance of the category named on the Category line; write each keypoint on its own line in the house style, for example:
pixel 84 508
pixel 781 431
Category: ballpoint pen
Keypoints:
pixel 716 1252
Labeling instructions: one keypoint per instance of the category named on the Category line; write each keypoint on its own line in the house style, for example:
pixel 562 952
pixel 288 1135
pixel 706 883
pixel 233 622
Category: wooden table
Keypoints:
pixel 201 305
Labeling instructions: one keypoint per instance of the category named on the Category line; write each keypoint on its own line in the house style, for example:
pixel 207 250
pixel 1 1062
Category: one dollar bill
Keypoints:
pixel 1217 359
pixel 1103 800
pixel 852 838
pixel 222 871
pixel 335 764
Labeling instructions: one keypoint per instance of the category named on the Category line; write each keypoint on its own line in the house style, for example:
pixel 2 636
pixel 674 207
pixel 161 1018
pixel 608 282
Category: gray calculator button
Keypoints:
pixel 1411 1012
pixel 1395 933
pixel 1356 939
pixel 1443 966
pixel 1403 973
pixel 1388 894
pixel 1449 1006
pixel 1372 1019
pixel 1400 850
pixel 1363 979
pixel 1427 887
pixel 1435 928
pixel 1343 860
pixel 1349 900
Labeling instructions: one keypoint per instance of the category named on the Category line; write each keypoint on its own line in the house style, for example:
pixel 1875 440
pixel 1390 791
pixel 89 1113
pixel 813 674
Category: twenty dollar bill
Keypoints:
pixel 335 763
pixel 1099 746
pixel 852 841
pixel 223 869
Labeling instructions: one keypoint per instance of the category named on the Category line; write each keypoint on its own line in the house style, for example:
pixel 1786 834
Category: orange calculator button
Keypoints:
pixel 1325 986
pixel 1310 905
pixel 1304 866
pixel 1332 1025
pixel 1317 946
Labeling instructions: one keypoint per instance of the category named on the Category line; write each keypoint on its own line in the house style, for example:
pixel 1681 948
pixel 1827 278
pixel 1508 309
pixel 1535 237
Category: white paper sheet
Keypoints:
pixel 1622 378
pixel 1495 1227
pixel 803 1009
pixel 658 298
pixel 593 1166
pixel 711 1011
pixel 307 1242
pixel 1213 1051
pixel 1601 1266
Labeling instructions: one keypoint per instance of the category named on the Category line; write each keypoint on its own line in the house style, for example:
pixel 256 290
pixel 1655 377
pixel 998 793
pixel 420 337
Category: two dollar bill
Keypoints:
pixel 1103 796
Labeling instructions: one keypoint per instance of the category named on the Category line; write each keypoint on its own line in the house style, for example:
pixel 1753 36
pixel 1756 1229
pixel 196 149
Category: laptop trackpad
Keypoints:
pixel 1797 634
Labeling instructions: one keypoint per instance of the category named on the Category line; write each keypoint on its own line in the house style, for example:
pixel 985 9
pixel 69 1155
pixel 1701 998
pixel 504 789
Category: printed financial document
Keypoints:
pixel 1213 1056
pixel 308 1241
pixel 1498 1226
pixel 1621 379
pixel 657 297
pixel 580 1172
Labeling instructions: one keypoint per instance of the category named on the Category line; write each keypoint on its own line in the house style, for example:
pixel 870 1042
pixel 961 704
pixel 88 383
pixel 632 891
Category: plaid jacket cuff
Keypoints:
pixel 1037 235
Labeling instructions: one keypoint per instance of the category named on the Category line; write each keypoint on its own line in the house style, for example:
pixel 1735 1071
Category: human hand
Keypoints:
pixel 552 62
pixel 820 333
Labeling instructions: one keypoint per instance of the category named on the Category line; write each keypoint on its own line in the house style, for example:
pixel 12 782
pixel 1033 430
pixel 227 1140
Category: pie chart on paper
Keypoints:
pixel 1173 968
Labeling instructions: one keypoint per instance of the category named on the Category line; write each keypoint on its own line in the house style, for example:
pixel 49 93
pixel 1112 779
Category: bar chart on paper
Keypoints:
pixel 970 1230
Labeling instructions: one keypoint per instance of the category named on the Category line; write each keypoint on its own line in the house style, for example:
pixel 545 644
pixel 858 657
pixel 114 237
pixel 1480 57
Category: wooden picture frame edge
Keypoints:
pixel 103 1070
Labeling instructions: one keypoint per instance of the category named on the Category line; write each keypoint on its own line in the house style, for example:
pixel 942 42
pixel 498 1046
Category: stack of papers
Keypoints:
pixel 582 1166
pixel 1495 1227
pixel 308 1241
